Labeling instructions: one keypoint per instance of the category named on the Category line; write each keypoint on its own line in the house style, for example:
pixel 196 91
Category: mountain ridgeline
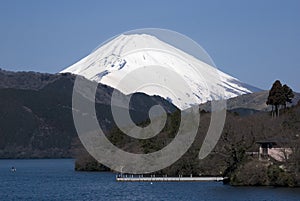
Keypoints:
pixel 124 56
pixel 36 113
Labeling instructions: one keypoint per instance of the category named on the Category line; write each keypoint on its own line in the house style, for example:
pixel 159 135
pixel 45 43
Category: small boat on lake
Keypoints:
pixel 13 169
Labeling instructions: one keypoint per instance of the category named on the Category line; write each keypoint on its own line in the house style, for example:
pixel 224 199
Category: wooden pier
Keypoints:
pixel 130 178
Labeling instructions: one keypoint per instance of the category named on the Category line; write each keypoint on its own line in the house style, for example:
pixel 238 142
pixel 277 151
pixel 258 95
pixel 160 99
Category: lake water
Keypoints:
pixel 55 179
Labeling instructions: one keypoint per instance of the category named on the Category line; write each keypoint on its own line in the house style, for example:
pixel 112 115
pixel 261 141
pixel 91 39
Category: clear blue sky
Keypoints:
pixel 255 41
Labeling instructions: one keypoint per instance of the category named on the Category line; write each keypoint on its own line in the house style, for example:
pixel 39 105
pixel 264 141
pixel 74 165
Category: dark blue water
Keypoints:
pixel 57 180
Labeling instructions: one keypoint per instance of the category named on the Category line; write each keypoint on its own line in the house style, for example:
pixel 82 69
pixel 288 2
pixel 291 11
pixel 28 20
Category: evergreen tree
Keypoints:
pixel 288 93
pixel 276 97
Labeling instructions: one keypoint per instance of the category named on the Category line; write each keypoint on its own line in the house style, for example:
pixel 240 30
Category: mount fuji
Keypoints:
pixel 125 54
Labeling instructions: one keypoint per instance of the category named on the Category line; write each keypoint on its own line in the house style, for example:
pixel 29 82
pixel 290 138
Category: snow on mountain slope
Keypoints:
pixel 127 53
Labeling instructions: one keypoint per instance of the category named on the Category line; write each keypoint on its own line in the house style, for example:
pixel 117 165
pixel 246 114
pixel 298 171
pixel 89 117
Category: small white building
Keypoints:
pixel 269 148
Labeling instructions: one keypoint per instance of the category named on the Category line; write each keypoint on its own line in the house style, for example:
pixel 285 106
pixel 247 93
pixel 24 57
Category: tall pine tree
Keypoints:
pixel 288 93
pixel 276 97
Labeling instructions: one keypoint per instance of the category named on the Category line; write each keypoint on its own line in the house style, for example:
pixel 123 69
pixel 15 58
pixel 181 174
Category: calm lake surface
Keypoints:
pixel 55 179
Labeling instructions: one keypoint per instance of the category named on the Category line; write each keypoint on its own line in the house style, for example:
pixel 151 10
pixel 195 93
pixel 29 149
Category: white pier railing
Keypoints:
pixel 134 178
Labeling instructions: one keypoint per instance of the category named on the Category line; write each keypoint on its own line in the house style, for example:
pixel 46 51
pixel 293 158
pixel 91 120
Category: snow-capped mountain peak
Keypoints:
pixel 139 58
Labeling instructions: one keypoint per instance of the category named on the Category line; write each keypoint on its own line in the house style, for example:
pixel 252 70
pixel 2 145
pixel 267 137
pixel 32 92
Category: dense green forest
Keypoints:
pixel 230 157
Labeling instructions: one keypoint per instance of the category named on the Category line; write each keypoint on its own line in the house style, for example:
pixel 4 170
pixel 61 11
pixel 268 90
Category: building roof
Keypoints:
pixel 266 142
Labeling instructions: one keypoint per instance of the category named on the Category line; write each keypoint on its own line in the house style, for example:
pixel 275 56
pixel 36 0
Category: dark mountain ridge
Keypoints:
pixel 36 113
